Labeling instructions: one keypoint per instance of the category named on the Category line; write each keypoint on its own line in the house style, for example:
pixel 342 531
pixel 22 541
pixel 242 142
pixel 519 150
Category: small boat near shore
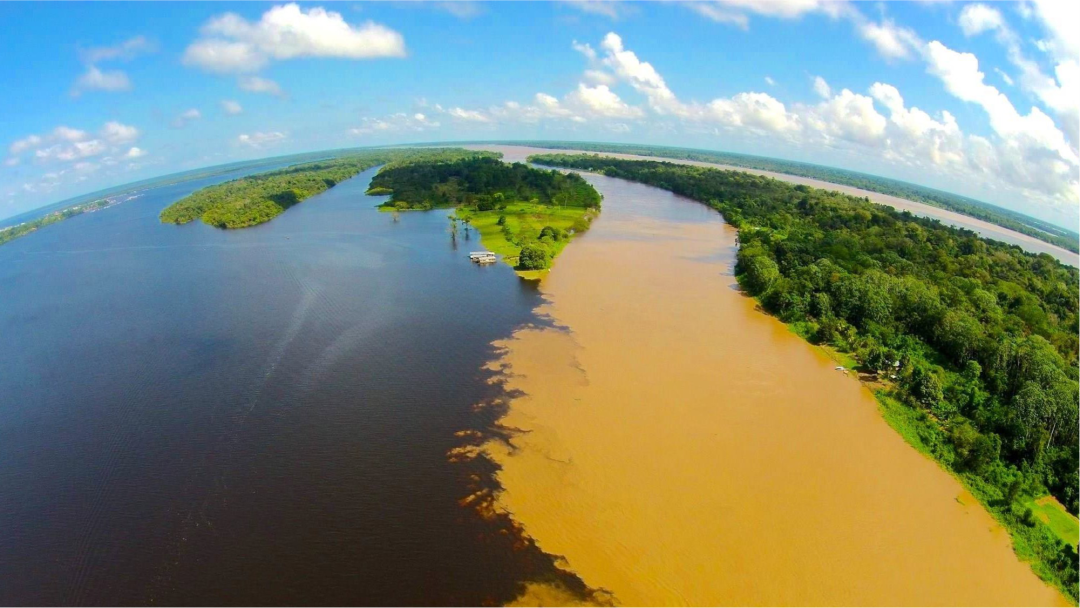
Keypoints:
pixel 483 257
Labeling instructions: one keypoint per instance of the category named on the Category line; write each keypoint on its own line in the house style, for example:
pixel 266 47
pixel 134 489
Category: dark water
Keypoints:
pixel 260 416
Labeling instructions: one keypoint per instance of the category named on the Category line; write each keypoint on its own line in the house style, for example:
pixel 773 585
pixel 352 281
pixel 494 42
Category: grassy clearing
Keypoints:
pixel 1053 514
pixel 522 224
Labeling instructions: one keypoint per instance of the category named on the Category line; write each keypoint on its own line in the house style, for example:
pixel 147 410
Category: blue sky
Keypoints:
pixel 979 99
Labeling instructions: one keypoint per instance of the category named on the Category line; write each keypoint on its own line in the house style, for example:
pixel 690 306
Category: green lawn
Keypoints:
pixel 524 221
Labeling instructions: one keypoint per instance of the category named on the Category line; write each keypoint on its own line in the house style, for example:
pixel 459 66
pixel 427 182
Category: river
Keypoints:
pixel 679 447
pixel 263 416
pixel 257 417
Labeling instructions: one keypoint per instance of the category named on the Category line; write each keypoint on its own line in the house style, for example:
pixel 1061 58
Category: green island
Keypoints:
pixel 1018 222
pixel 13 232
pixel 259 198
pixel 524 214
pixel 969 344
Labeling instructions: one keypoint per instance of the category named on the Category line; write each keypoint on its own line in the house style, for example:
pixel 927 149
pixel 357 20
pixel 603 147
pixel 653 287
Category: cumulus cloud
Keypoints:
pixel 257 84
pixel 94 79
pixel 231 44
pixel 960 74
pixel 978 18
pixel 67 144
pixel 135 152
pixel 260 139
pixel 890 40
pixel 1027 155
pixel 231 107
pixel 117 133
pixel 1059 91
pixel 602 102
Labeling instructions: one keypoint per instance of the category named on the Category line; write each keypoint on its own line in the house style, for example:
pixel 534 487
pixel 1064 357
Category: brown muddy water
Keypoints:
pixel 677 446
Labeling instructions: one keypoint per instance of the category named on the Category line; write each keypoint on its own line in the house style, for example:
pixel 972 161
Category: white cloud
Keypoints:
pixel 462 9
pixel 468 115
pixel 232 44
pixel 822 88
pixel 978 18
pixel 186 117
pixel 1059 91
pixel 640 75
pixel 94 79
pixel 769 81
pixel 399 122
pixel 135 152
pixel 849 116
pixel 20 145
pixel 260 139
pixel 117 133
pixel 602 102
pixel 612 9
pixel 755 111
pixel 960 74
pixel 66 144
pixel 1059 18
pixel 230 107
pixel 70 152
pixel 737 12
pixel 890 40
pixel 257 84
pixel 126 50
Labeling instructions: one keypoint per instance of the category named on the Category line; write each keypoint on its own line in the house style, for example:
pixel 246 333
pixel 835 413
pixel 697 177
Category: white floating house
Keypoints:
pixel 482 257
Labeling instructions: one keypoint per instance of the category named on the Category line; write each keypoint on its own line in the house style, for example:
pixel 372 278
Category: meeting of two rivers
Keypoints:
pixel 264 416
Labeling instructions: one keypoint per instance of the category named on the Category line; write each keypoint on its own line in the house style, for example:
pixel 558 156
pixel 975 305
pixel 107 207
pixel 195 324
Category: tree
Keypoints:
pixel 533 257
pixel 761 273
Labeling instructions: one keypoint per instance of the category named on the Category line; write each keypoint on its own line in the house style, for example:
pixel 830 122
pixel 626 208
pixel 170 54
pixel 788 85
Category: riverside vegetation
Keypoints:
pixel 526 215
pixel 972 343
pixel 1018 222
pixel 13 232
pixel 259 198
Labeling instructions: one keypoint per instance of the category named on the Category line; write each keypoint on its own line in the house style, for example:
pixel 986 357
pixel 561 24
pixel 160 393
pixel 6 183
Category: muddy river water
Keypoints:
pixel 675 445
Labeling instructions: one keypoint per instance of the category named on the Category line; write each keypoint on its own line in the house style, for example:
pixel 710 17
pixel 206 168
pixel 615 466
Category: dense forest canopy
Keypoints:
pixel 259 198
pixel 481 181
pixel 1005 218
pixel 525 214
pixel 985 334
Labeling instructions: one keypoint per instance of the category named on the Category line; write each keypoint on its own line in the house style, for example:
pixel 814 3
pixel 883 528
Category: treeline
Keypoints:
pixel 480 181
pixel 259 198
pixel 1024 224
pixel 13 232
pixel 979 337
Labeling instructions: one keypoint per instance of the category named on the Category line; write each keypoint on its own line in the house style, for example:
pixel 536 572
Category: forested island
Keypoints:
pixel 259 198
pixel 527 215
pixel 1019 222
pixel 971 344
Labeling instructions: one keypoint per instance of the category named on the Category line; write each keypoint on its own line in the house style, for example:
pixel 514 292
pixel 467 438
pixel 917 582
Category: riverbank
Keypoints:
pixel 503 230
pixel 981 227
pixel 677 446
